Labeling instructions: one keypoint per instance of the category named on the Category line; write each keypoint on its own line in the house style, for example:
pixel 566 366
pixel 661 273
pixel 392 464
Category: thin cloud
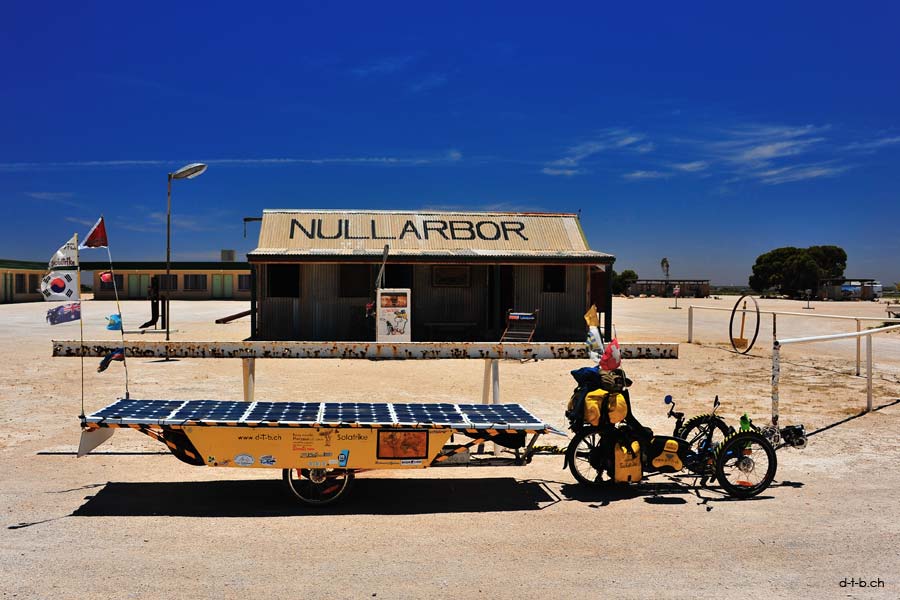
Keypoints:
pixel 640 175
pixel 873 144
pixel 383 66
pixel 85 222
pixel 610 140
pixel 800 173
pixel 450 156
pixel 562 172
pixel 691 167
pixel 432 81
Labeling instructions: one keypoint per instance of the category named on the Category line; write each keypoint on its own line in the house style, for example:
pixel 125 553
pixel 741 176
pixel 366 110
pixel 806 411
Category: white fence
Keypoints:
pixel 776 360
pixel 775 314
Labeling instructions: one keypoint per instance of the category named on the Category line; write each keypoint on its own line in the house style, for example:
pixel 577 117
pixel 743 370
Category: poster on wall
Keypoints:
pixel 393 306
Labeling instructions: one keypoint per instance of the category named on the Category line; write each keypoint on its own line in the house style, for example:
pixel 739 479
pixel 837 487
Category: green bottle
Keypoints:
pixel 745 422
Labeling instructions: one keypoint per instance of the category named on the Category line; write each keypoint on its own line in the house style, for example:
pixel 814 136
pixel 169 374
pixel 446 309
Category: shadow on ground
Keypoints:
pixel 677 490
pixel 270 498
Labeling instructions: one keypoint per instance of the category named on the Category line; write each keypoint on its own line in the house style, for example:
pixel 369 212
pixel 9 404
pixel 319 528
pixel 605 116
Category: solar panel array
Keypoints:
pixel 178 412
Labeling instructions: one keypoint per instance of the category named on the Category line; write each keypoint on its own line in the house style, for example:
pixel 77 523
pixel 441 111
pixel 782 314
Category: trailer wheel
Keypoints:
pixel 317 486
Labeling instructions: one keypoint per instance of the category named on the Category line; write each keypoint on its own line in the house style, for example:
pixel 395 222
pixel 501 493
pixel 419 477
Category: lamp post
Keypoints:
pixel 186 172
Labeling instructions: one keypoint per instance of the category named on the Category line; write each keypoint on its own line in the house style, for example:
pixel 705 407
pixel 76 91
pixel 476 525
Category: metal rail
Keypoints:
pixel 249 351
pixel 776 361
pixel 775 314
pixel 356 350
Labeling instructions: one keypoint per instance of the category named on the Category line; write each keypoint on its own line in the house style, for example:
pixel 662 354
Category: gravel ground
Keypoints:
pixel 133 522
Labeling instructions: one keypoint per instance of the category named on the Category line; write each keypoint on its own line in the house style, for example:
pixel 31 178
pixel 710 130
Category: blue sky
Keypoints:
pixel 706 133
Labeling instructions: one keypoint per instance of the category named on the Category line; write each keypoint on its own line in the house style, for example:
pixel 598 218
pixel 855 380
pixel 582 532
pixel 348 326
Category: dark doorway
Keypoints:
pixel 398 276
pixel 598 288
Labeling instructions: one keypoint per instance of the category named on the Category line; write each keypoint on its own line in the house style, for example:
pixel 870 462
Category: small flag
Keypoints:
pixel 64 313
pixel 612 356
pixel 96 237
pixel 117 354
pixel 114 322
pixel 66 256
pixel 59 285
pixel 106 276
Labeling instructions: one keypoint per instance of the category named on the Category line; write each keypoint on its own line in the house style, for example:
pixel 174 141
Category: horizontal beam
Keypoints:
pixel 366 350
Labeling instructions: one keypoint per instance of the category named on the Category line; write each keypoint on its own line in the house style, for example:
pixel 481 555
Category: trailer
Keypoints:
pixel 320 446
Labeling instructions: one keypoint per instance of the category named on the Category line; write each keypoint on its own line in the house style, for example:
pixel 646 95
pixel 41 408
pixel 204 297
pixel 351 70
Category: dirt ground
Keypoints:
pixel 131 521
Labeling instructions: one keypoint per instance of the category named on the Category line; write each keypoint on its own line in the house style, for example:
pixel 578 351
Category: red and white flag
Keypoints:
pixel 96 237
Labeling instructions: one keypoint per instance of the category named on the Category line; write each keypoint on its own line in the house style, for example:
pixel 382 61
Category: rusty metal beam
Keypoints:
pixel 360 350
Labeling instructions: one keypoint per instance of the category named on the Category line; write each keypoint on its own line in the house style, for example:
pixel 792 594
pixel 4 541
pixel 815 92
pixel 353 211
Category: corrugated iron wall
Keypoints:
pixel 562 314
pixel 438 313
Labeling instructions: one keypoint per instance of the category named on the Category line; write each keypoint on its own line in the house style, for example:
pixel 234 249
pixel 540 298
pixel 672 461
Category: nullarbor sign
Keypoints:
pixel 420 229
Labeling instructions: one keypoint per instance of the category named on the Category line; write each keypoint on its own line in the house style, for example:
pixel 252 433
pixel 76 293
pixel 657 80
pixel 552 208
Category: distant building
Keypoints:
pixel 688 288
pixel 20 280
pixel 190 280
pixel 843 288
pixel 316 271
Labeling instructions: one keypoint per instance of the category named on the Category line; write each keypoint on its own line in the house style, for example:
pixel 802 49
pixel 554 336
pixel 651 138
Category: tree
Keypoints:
pixel 792 270
pixel 621 282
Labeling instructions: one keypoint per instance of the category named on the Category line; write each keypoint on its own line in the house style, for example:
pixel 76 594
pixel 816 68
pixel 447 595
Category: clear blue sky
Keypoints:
pixel 706 133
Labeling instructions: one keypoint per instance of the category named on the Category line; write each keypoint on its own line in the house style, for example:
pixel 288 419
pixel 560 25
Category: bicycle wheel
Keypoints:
pixel 745 464
pixel 317 486
pixel 703 432
pixel 585 457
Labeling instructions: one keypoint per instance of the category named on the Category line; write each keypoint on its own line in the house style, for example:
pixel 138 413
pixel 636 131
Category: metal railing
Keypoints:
pixel 775 314
pixel 776 361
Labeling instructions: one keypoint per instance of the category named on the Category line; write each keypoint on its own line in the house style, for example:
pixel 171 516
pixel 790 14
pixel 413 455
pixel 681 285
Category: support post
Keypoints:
pixel 486 386
pixel 857 347
pixel 776 372
pixel 774 326
pixel 868 373
pixel 691 324
pixel 249 368
pixel 495 392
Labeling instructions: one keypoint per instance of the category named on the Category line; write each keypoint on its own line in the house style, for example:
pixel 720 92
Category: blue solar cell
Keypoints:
pixel 284 411
pixel 211 410
pixel 138 409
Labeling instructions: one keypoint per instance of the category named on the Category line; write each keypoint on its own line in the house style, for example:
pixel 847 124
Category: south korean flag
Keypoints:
pixel 59 285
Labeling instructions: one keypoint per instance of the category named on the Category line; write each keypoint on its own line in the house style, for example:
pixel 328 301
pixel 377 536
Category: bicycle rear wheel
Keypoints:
pixel 745 464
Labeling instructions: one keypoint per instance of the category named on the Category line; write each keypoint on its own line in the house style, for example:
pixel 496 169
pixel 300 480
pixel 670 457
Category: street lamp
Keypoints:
pixel 186 172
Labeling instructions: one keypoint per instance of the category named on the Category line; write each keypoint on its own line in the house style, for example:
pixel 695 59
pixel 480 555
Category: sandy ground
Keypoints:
pixel 133 522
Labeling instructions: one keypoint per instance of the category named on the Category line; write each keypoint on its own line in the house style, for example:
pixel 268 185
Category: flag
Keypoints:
pixel 106 276
pixel 66 256
pixel 64 313
pixel 96 237
pixel 117 354
pixel 612 356
pixel 60 285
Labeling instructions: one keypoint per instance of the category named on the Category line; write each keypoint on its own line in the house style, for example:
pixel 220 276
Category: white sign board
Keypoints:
pixel 393 315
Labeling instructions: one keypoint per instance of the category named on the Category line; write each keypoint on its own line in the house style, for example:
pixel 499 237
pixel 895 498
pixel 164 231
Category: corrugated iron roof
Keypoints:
pixel 419 234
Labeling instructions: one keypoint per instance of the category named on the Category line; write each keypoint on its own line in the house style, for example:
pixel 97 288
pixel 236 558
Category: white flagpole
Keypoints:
pixel 119 310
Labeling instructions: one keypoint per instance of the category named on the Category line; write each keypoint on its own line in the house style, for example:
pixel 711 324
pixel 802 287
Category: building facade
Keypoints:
pixel 190 280
pixel 316 271
pixel 20 281
pixel 687 288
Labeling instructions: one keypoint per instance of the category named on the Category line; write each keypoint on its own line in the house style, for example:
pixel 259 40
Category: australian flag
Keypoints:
pixel 64 313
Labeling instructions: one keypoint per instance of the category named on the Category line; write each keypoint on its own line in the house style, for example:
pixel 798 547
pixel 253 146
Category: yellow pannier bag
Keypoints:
pixel 616 408
pixel 627 467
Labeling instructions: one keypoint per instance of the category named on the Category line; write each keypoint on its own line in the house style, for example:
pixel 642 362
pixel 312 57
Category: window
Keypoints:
pixel 355 281
pixel 243 283
pixel 450 276
pixel 554 279
pixel 195 283
pixel 172 282
pixel 20 283
pixel 398 276
pixel 283 281
pixel 34 284
pixel 108 285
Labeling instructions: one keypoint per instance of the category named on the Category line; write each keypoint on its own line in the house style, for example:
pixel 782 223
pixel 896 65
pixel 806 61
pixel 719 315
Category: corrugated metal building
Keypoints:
pixel 190 280
pixel 316 270
pixel 20 280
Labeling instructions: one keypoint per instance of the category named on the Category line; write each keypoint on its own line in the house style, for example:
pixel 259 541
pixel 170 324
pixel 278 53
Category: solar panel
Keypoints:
pixel 177 412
